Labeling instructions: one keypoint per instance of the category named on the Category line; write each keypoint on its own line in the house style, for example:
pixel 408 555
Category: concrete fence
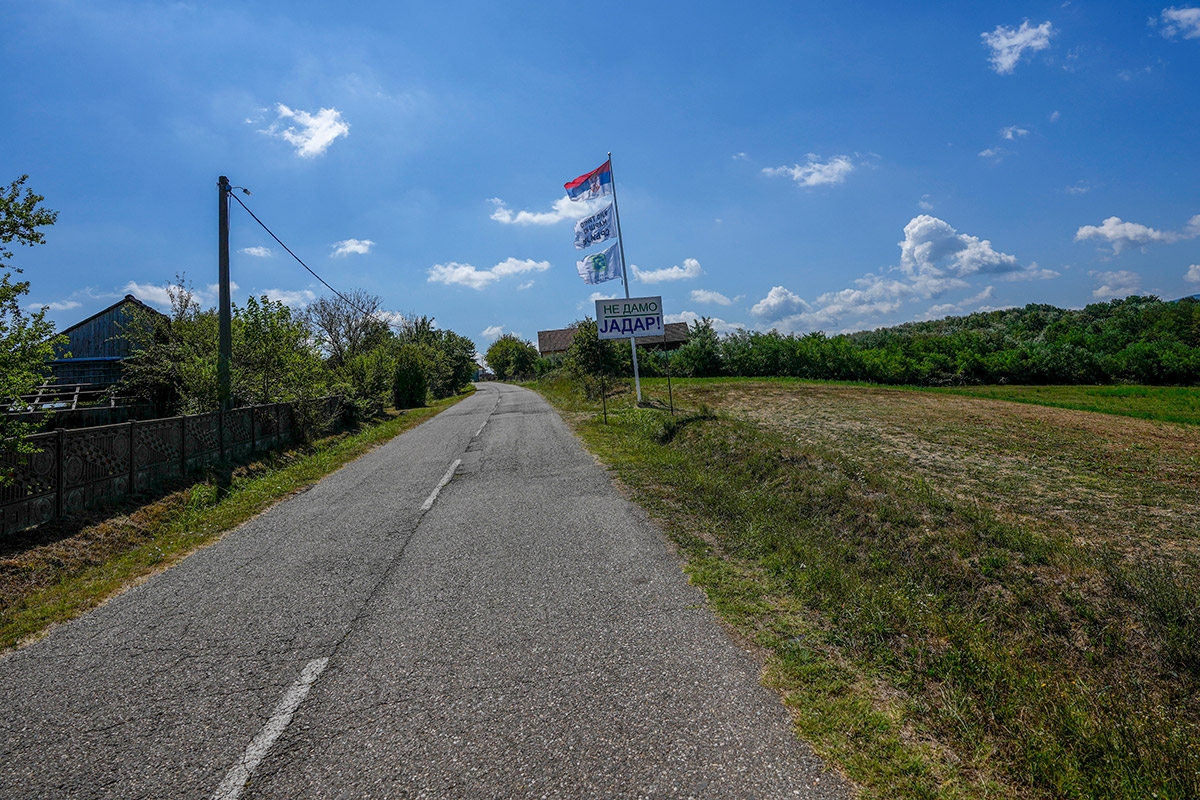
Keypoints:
pixel 77 469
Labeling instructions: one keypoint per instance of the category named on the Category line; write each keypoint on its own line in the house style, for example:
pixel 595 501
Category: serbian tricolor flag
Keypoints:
pixel 596 183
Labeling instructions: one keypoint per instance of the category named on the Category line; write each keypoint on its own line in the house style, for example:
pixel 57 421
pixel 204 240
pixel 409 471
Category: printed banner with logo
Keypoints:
pixel 600 267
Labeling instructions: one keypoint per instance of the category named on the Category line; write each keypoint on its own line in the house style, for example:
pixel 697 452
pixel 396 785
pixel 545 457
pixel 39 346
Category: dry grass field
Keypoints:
pixel 1101 479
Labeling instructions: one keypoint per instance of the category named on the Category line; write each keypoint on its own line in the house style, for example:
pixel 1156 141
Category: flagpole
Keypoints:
pixel 637 381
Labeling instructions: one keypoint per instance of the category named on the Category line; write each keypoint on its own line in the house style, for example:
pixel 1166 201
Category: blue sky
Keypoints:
pixel 785 165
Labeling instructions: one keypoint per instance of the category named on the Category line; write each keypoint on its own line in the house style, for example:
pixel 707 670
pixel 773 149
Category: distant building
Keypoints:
pixel 559 341
pixel 96 346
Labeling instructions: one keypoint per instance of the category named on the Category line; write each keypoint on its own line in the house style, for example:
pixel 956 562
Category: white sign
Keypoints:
pixel 632 316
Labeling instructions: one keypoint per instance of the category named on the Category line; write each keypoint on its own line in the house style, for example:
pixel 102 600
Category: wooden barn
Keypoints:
pixel 559 340
pixel 96 346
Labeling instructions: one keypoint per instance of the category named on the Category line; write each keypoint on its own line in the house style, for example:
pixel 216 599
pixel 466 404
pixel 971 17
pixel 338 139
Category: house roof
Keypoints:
pixel 559 340
pixel 127 299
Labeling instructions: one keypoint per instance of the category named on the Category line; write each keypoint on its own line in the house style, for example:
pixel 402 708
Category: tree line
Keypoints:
pixel 341 345
pixel 1141 340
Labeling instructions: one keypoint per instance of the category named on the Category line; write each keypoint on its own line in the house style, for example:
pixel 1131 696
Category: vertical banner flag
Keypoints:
pixel 599 227
pixel 602 266
pixel 596 183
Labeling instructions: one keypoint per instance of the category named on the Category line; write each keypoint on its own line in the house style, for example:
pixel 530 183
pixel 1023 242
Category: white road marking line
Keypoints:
pixel 428 504
pixel 231 788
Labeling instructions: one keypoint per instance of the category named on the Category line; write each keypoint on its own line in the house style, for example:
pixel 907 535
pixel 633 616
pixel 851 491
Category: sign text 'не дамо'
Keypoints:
pixel 632 316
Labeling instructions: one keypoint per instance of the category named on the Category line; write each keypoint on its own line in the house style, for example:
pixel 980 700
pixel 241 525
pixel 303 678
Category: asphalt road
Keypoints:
pixel 521 631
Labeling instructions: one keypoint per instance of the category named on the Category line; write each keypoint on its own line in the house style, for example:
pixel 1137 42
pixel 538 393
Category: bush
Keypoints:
pixel 410 385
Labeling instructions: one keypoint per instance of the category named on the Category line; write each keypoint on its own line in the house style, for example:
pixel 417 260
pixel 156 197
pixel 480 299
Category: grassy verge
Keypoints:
pixel 54 573
pixel 960 598
pixel 1165 403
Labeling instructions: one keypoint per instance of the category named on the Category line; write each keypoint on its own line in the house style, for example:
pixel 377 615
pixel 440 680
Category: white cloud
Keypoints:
pixel 1185 21
pixel 925 204
pixel 705 296
pixel 816 173
pixel 779 303
pixel 1031 273
pixel 492 332
pixel 993 152
pixel 931 245
pixel 159 297
pixel 875 298
pixel 292 299
pixel 740 156
pixel 1009 44
pixel 1122 235
pixel 934 260
pixel 594 296
pixel 1082 187
pixel 964 306
pixel 57 305
pixel 690 269
pixel 352 247
pixel 564 209
pixel 393 318
pixel 148 293
pixel 316 132
pixel 468 275
pixel 1012 132
pixel 257 252
pixel 1193 274
pixel 526 285
pixel 719 325
pixel 1115 284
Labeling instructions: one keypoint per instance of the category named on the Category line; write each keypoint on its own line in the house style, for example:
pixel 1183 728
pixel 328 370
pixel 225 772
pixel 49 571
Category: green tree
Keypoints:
pixel 347 325
pixel 410 384
pixel 510 356
pixel 701 356
pixel 459 354
pixel 591 359
pixel 274 359
pixel 174 360
pixel 27 341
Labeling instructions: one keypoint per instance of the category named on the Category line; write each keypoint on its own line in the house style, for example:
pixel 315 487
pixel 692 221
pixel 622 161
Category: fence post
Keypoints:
pixel 221 435
pixel 132 461
pixel 253 432
pixel 182 446
pixel 58 474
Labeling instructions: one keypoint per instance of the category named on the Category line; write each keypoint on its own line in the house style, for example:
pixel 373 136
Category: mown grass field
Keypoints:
pixel 958 596
pixel 1162 403
pixel 55 572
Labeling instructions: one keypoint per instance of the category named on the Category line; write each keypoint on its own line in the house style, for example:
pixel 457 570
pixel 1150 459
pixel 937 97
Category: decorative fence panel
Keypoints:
pixel 32 497
pixel 78 469
pixel 96 464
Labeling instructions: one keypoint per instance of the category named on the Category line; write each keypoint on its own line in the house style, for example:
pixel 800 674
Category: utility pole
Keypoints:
pixel 225 320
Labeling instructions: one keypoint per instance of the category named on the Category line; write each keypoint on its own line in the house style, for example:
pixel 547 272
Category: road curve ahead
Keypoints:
pixel 471 610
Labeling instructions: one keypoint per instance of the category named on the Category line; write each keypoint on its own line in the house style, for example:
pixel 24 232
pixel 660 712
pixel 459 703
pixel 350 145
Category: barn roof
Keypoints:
pixel 559 340
pixel 127 299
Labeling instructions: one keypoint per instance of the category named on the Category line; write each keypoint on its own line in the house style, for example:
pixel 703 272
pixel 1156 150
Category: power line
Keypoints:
pixel 347 300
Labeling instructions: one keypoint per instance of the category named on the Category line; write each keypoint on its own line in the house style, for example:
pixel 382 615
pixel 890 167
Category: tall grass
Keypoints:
pixel 933 645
